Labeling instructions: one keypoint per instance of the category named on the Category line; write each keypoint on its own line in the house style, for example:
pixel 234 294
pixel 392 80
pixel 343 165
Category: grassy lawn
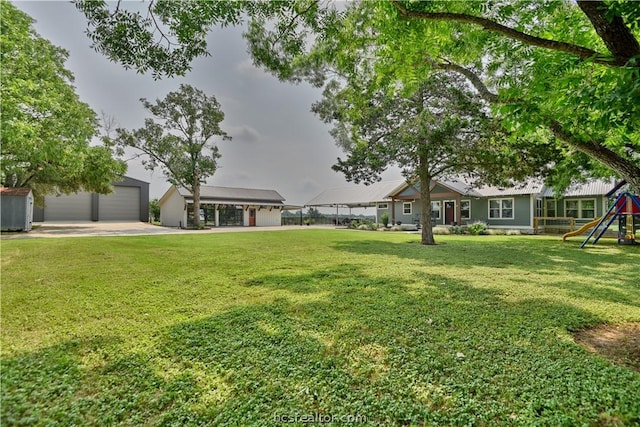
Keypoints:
pixel 240 329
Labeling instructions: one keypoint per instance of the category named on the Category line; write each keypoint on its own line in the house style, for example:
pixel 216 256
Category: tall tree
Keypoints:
pixel 566 71
pixel 436 131
pixel 180 139
pixel 46 129
pixel 569 71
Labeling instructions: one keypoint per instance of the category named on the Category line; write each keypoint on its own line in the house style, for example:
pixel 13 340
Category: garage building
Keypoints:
pixel 129 201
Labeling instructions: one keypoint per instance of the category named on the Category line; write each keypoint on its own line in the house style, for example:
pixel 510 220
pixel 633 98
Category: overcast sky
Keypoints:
pixel 277 142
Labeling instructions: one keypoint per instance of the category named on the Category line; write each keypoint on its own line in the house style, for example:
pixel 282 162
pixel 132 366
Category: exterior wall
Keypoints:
pixel 89 210
pixel 17 212
pixel 380 211
pixel 522 212
pixel 601 207
pixel 172 211
pixel 400 216
pixel 268 218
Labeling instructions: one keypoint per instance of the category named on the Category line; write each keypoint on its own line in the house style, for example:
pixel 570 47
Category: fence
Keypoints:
pixel 553 225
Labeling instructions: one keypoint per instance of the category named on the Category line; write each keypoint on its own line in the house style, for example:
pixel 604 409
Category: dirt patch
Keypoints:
pixel 618 343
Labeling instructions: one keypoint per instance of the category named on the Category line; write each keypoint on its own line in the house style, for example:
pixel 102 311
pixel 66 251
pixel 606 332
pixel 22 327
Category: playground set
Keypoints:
pixel 626 210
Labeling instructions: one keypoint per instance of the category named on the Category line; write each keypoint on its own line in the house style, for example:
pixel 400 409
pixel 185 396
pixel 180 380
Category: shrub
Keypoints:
pixel 385 219
pixel 458 230
pixel 478 228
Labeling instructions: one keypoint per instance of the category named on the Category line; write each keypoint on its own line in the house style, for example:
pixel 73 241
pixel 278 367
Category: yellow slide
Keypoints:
pixel 582 229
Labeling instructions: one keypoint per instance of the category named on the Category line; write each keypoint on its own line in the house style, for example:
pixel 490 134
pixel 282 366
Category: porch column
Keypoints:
pixel 393 211
pixel 216 215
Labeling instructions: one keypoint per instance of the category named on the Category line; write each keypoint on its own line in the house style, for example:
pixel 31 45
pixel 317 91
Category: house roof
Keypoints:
pixel 529 187
pixel 356 195
pixel 231 195
pixel 368 195
pixel 464 188
pixel 591 187
pixel 467 189
pixel 12 191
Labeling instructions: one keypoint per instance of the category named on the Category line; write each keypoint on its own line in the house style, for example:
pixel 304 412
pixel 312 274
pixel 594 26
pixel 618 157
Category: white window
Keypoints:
pixel 465 209
pixel 501 208
pixel 406 208
pixel 435 210
pixel 383 206
pixel 581 209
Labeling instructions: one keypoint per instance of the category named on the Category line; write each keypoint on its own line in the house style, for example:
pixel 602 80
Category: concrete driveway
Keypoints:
pixel 107 228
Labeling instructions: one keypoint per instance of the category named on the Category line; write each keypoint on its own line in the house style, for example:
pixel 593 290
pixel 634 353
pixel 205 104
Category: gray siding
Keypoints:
pixel 601 206
pixel 121 205
pixel 16 212
pixel 128 202
pixel 522 213
pixel 68 207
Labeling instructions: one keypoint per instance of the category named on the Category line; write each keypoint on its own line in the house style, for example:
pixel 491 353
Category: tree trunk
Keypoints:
pixel 196 201
pixel 613 31
pixel 425 203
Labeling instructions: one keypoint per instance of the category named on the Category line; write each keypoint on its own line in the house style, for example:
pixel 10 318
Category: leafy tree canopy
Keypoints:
pixel 571 71
pixel 46 130
pixel 565 72
pixel 180 139
pixel 439 130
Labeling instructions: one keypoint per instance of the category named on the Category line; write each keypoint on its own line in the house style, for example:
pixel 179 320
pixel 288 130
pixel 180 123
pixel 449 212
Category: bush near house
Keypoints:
pixel 477 228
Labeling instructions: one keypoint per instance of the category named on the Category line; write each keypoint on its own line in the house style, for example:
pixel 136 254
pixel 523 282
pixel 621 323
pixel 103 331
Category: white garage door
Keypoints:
pixel 121 205
pixel 72 207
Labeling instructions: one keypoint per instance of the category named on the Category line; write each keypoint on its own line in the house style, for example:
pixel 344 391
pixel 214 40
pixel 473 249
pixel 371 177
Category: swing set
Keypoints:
pixel 626 210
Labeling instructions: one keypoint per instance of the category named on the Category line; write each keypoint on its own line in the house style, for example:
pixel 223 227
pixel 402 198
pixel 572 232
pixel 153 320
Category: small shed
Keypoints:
pixel 16 209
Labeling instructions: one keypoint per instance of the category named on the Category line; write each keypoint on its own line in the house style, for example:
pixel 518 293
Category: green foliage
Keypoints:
pixel 373 324
pixel 558 85
pixel 46 129
pixel 179 138
pixel 154 209
pixel 542 65
pixel 385 219
pixel 477 228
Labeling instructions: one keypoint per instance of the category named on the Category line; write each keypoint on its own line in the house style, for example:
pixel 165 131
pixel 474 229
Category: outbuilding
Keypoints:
pixel 129 201
pixel 222 206
pixel 16 209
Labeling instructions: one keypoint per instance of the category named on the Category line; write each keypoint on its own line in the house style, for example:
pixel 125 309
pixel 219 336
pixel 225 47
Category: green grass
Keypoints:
pixel 236 329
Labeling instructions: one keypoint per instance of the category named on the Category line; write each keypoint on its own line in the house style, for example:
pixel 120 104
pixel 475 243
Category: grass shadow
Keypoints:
pixel 444 353
pixel 597 274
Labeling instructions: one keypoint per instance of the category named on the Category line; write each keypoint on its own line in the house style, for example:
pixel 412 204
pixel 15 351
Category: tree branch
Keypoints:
pixel 473 78
pixel 579 51
pixel 614 33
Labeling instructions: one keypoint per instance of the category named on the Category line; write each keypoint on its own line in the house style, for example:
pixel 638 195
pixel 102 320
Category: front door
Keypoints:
pixel 252 217
pixel 449 213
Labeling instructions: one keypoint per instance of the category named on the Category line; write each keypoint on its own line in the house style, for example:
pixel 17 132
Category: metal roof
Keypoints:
pixel 529 187
pixel 356 195
pixel 231 195
pixel 591 187
pixel 14 191
pixel 369 195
